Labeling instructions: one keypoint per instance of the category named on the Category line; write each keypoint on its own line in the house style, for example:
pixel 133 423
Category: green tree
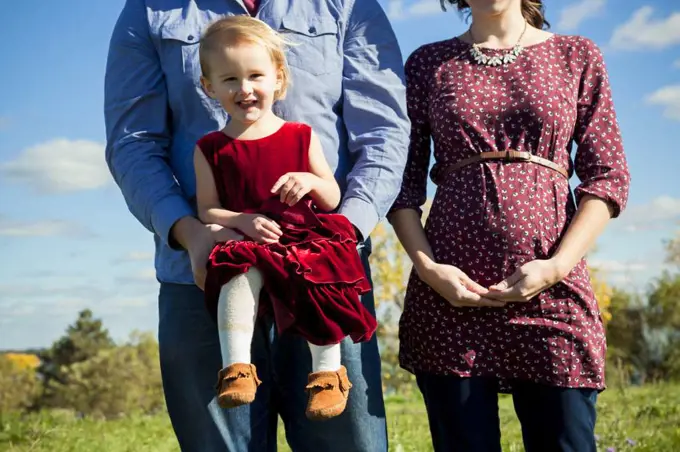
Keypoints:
pixel 84 339
pixel 116 381
pixel 673 250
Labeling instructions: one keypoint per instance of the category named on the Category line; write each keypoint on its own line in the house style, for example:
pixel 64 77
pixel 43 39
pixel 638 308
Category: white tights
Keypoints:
pixel 236 313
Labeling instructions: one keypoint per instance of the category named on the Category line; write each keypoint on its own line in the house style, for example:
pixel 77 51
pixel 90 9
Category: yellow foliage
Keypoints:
pixel 23 361
pixel 19 385
pixel 389 266
pixel 603 294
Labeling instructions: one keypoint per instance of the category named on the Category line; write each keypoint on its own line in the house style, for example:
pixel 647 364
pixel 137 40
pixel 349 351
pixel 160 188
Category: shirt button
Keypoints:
pixel 312 29
pixel 190 37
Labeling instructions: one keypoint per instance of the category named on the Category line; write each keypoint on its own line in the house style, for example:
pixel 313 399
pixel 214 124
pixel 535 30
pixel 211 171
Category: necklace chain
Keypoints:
pixel 496 60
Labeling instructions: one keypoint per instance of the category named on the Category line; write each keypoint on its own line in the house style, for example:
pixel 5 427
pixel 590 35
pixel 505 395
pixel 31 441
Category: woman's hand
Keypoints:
pixel 456 287
pixel 259 228
pixel 292 187
pixel 528 281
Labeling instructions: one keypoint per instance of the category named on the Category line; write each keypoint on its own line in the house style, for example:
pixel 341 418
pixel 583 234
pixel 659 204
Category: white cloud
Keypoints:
pixel 669 98
pixel 146 276
pixel 660 211
pixel 60 166
pixel 612 266
pixel 34 316
pixel 643 32
pixel 41 228
pixel 396 9
pixel 573 15
pixel 135 256
pixel 11 292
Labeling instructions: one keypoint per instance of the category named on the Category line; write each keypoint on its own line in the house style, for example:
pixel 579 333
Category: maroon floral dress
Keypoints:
pixel 490 218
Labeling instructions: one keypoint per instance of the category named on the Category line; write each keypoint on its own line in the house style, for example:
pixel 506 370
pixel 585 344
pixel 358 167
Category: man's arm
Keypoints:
pixel 374 112
pixel 137 131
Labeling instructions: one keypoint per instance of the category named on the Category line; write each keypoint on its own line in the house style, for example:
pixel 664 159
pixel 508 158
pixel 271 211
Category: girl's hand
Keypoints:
pixel 528 281
pixel 259 228
pixel 292 187
pixel 456 287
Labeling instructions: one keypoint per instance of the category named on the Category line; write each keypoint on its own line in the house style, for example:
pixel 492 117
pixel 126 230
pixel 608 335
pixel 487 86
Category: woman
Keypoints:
pixel 500 298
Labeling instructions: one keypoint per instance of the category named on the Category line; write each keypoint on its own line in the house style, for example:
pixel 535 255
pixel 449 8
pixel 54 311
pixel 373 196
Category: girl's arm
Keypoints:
pixel 325 191
pixel 210 211
pixel 258 227
pixel 319 183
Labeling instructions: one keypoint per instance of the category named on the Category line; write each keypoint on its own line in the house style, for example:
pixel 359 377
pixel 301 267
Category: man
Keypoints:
pixel 348 85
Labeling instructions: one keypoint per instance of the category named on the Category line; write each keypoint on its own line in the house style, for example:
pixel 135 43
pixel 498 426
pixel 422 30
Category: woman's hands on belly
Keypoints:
pixel 456 287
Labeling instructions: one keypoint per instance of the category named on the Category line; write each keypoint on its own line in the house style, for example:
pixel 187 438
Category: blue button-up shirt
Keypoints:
pixel 347 83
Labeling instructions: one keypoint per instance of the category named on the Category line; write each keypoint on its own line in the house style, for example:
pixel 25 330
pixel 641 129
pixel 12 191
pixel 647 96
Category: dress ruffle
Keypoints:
pixel 313 277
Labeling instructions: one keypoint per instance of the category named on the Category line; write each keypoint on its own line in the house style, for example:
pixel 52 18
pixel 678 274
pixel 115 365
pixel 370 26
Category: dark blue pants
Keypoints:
pixel 190 360
pixel 463 415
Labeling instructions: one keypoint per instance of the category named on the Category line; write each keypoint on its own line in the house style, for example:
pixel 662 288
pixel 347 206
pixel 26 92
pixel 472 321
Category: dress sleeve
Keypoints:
pixel 600 162
pixel 413 192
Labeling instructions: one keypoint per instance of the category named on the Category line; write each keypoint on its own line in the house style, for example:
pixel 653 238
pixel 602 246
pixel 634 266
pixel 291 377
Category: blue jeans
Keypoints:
pixel 190 359
pixel 463 415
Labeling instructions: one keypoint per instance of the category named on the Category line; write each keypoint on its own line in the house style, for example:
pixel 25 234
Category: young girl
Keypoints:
pixel 268 179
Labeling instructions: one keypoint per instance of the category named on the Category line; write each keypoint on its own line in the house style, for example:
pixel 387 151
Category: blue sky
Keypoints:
pixel 68 242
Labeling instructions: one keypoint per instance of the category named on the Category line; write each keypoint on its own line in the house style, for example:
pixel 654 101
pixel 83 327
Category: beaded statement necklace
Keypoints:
pixel 496 60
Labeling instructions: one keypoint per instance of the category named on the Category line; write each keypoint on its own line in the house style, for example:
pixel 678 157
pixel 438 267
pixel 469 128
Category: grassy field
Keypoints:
pixel 640 419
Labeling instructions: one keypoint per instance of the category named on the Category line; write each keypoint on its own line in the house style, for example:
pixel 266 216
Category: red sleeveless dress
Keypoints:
pixel 313 277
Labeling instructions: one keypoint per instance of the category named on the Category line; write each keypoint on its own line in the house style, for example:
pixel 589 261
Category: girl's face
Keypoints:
pixel 492 7
pixel 244 79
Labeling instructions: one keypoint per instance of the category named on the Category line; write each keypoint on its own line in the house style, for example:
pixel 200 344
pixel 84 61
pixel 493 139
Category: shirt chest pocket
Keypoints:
pixel 181 64
pixel 179 53
pixel 315 44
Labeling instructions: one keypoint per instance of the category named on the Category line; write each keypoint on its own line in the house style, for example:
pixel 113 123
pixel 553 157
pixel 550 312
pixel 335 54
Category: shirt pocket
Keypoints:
pixel 315 44
pixel 179 55
pixel 179 51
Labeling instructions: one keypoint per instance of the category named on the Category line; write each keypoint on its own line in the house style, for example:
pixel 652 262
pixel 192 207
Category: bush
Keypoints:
pixel 19 385
pixel 116 381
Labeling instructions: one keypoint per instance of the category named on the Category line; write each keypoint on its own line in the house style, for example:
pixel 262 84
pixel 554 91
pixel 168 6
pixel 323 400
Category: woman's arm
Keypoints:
pixel 589 222
pixel 450 282
pixel 602 168
pixel 410 232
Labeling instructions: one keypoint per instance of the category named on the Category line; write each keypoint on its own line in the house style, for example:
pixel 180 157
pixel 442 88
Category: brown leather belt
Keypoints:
pixel 504 156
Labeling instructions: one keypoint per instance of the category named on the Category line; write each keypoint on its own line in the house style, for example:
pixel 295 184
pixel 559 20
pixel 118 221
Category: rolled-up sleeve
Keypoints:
pixel 413 192
pixel 600 162
pixel 374 113
pixel 137 131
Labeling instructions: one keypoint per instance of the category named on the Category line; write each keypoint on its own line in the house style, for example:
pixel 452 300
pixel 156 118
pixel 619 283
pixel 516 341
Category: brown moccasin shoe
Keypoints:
pixel 328 392
pixel 236 385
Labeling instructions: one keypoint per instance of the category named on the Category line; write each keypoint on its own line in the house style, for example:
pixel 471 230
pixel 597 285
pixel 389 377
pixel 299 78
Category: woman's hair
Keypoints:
pixel 233 30
pixel 532 10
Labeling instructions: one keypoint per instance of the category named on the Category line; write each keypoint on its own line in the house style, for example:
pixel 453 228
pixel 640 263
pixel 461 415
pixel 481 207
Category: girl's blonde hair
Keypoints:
pixel 233 30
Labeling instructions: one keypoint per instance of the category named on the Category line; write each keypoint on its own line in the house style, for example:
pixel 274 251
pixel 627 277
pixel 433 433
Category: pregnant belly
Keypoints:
pixel 514 217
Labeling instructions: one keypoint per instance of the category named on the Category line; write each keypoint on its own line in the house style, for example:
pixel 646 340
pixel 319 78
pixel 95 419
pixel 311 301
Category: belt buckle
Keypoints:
pixel 521 156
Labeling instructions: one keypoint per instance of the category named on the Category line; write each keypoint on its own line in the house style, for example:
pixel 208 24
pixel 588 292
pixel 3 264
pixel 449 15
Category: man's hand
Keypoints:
pixel 199 239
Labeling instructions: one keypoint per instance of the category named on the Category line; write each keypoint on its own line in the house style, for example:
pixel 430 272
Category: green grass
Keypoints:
pixel 650 416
